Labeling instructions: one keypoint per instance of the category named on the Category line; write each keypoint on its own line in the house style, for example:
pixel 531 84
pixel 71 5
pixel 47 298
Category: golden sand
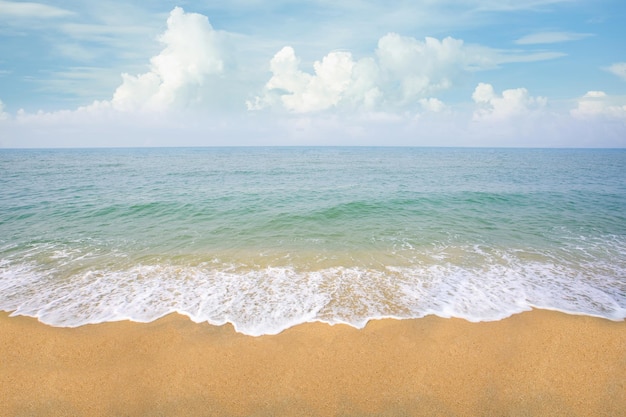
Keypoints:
pixel 539 363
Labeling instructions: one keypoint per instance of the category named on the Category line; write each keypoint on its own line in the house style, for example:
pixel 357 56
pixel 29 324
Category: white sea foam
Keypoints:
pixel 269 300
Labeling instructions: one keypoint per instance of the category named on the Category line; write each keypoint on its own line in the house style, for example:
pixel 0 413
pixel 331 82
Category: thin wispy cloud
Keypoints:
pixel 551 37
pixel 31 10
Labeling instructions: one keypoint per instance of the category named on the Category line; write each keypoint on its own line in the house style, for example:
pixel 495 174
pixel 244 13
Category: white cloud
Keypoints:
pixel 89 42
pixel 597 104
pixel 454 126
pixel 387 96
pixel 511 103
pixel 337 78
pixel 192 53
pixel 618 69
pixel 99 31
pixel 595 94
pixel 551 37
pixel 432 105
pixel 310 92
pixel 402 72
pixel 417 67
pixel 12 9
pixel 3 115
pixel 506 57
pixel 361 22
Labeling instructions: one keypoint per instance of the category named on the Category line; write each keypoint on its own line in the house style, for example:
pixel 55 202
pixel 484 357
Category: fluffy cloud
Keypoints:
pixel 597 104
pixel 388 96
pixel 510 103
pixel 618 69
pixel 402 72
pixel 192 53
pixel 337 78
pixel 333 76
pixel 411 68
pixel 432 105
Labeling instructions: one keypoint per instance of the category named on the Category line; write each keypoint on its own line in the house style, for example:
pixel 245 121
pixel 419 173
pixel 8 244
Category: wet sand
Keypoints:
pixel 537 363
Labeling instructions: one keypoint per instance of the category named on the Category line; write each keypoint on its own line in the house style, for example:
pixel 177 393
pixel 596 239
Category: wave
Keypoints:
pixel 267 300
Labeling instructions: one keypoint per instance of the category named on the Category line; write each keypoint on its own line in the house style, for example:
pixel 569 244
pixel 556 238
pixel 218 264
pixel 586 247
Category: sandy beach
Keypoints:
pixel 537 363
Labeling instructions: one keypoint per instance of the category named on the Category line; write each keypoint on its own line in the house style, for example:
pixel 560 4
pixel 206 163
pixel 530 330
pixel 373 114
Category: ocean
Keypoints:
pixel 267 238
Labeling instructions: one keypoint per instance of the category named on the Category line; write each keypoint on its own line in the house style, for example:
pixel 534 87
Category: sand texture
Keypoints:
pixel 539 363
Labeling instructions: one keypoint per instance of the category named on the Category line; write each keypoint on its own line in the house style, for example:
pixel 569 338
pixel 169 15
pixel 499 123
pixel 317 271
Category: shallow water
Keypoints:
pixel 266 238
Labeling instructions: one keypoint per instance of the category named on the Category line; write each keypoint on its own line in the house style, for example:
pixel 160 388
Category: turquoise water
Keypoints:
pixel 266 238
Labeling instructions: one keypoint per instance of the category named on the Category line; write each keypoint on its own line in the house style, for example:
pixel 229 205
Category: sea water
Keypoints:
pixel 267 238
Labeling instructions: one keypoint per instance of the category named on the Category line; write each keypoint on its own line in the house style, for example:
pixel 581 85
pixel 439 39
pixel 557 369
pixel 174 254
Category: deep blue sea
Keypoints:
pixel 267 238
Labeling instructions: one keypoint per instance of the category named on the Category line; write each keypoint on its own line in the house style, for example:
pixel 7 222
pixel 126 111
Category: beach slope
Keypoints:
pixel 532 364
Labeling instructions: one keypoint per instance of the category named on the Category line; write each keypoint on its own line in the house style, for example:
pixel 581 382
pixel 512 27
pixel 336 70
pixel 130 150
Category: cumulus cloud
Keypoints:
pixel 597 104
pixel 432 105
pixel 337 78
pixel 192 53
pixel 497 107
pixel 618 69
pixel 333 76
pixel 402 71
pixel 421 67
pixel 389 95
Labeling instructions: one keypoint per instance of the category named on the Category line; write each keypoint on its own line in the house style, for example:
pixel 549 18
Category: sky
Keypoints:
pixel 510 73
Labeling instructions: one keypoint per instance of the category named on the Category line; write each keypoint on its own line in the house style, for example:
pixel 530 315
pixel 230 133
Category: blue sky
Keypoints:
pixel 286 72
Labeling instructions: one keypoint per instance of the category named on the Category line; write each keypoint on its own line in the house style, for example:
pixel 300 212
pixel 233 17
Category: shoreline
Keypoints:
pixel 539 362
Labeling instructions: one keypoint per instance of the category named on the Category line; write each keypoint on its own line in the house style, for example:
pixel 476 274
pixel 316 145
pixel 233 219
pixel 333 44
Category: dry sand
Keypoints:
pixel 538 363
